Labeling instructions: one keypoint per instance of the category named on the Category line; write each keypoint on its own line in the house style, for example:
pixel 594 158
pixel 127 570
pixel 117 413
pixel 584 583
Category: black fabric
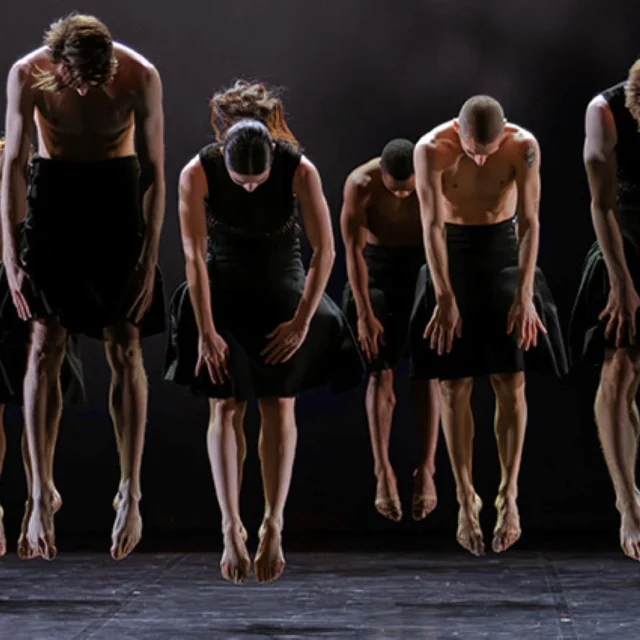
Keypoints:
pixel 393 272
pixel 257 279
pixel 627 147
pixel 587 342
pixel 483 269
pixel 80 244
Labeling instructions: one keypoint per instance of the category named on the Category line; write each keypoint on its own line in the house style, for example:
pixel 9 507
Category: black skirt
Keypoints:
pixel 80 243
pixel 254 288
pixel 393 272
pixel 483 267
pixel 587 342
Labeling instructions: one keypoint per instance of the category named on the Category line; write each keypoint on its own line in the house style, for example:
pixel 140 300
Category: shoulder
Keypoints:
pixel 362 179
pixel 24 70
pixel 439 148
pixel 598 116
pixel 521 145
pixel 193 175
pixel 134 64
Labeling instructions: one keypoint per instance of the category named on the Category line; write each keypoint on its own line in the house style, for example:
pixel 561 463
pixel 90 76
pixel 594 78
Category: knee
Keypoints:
pixel 617 375
pixel 124 355
pixel 510 391
pixel 381 383
pixel 223 412
pixel 277 413
pixel 46 354
pixel 454 392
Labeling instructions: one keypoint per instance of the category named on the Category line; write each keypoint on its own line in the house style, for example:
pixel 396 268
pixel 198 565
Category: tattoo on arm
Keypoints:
pixel 530 156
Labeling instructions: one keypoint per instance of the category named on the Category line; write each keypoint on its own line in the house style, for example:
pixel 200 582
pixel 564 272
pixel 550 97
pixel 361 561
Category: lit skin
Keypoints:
pixel 380 210
pixel 462 182
pixel 278 433
pixel 84 123
pixel 616 412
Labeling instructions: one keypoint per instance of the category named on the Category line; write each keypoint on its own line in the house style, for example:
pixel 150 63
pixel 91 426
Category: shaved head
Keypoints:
pixel 481 119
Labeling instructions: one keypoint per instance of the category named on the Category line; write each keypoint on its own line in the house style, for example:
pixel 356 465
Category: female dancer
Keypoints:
pixel 248 323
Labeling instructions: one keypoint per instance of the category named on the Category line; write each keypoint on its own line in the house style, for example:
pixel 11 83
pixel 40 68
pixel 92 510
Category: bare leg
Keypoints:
pixel 128 408
pixel 3 453
pixel 457 424
pixel 510 426
pixel 380 403
pixel 426 399
pixel 225 459
pixel 277 446
pixel 48 343
pixel 617 428
pixel 241 448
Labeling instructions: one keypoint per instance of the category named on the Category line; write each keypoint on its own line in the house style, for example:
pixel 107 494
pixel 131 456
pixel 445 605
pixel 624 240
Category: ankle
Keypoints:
pixel 382 470
pixel 272 522
pixel 231 525
pixel 129 491
pixel 466 497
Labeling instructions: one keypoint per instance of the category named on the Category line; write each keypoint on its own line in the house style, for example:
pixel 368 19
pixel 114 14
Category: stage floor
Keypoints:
pixel 426 596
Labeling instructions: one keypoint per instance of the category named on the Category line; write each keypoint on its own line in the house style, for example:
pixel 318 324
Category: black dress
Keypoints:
pixel 393 272
pixel 80 243
pixel 586 332
pixel 257 279
pixel 483 267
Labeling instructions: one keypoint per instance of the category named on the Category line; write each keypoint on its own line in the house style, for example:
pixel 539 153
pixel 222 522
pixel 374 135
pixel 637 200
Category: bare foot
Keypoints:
pixel 425 497
pixel 127 527
pixel 39 537
pixel 269 561
pixel 56 500
pixel 507 531
pixel 23 547
pixel 3 538
pixel 235 564
pixel 387 499
pixel 243 533
pixel 630 533
pixel 469 534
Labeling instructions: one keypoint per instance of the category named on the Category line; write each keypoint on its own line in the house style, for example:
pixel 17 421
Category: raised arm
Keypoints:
pixel 149 122
pixel 354 235
pixel 13 200
pixel 528 185
pixel 317 225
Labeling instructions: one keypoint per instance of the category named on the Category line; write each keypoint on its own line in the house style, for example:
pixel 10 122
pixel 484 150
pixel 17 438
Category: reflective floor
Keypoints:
pixel 388 596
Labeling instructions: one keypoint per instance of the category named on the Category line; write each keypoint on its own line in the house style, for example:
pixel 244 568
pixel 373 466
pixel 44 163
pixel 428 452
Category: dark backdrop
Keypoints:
pixel 357 73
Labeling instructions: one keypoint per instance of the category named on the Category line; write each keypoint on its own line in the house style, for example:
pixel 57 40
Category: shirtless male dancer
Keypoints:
pixel 382 235
pixel 14 345
pixel 482 294
pixel 86 262
pixel 604 319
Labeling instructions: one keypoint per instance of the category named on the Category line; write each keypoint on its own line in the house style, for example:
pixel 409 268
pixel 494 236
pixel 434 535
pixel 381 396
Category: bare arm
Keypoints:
pixel 149 122
pixel 317 224
pixel 600 164
pixel 192 192
pixel 19 131
pixel 528 184
pixel 354 235
pixel 432 210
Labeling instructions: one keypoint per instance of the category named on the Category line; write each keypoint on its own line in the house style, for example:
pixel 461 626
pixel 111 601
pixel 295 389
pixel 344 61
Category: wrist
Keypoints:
pixel 444 296
pixel 524 292
pixel 303 313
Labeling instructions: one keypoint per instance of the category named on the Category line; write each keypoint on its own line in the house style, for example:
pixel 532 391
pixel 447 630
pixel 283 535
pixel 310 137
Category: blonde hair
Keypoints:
pixel 632 91
pixel 83 44
pixel 246 100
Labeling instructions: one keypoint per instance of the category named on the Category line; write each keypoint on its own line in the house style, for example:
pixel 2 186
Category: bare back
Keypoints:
pixel 97 126
pixel 474 194
pixel 389 220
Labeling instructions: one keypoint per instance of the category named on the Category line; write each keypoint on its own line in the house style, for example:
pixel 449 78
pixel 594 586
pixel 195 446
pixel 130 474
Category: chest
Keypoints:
pixel 400 216
pixel 96 113
pixel 466 180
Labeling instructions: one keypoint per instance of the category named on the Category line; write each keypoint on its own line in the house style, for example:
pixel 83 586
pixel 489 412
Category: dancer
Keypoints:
pixel 86 258
pixel 604 318
pixel 14 345
pixel 248 323
pixel 383 239
pixel 485 308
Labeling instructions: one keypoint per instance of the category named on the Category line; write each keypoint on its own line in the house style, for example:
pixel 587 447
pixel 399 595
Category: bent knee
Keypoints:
pixel 123 355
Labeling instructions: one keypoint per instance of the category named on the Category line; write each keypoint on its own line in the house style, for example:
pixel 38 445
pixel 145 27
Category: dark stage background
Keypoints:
pixel 357 73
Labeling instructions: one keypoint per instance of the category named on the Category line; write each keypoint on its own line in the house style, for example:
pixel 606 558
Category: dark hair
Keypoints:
pixel 248 148
pixel 482 119
pixel 632 91
pixel 397 159
pixel 249 101
pixel 84 46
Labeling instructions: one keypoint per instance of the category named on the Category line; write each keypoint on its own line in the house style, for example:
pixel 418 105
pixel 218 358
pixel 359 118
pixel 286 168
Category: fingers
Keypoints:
pixel 20 303
pixel 610 326
pixel 511 321
pixel 620 330
pixel 429 329
pixel 364 344
pixel 276 330
pixel 374 345
pixel 283 351
pixel 605 312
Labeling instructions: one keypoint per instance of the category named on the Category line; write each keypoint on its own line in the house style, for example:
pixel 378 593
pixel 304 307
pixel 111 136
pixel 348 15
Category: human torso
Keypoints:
pixel 390 221
pixel 97 126
pixel 627 148
pixel 265 214
pixel 475 194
